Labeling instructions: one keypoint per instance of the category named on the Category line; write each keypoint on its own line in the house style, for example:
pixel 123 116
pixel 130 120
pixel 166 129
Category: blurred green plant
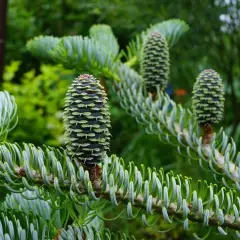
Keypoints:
pixel 40 97
pixel 214 29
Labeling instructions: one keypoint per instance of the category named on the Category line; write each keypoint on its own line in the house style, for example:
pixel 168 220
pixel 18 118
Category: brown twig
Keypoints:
pixel 94 174
pixel 207 133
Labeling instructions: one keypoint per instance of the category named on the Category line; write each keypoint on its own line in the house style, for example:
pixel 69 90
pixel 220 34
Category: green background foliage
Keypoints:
pixel 40 99
pixel 212 41
pixel 39 89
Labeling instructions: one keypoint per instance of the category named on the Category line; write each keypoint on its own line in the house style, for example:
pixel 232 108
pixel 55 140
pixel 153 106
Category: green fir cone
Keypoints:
pixel 155 62
pixel 208 98
pixel 87 121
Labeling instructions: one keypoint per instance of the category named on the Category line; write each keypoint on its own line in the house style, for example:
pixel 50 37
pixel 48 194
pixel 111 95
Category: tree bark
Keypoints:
pixel 3 16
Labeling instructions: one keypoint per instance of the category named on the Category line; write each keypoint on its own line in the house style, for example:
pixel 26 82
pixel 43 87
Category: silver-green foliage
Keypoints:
pixel 175 125
pixel 143 191
pixel 20 227
pixel 8 117
pixel 172 30
pixel 42 46
pixel 78 233
pixel 89 54
pixel 81 53
pixel 144 188
pixel 103 34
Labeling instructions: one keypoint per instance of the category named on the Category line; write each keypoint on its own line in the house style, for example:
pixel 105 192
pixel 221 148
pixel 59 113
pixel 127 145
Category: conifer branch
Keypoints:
pixel 151 190
pixel 175 125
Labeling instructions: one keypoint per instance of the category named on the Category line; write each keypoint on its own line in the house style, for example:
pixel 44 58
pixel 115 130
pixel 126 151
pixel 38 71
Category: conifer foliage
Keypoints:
pixel 68 204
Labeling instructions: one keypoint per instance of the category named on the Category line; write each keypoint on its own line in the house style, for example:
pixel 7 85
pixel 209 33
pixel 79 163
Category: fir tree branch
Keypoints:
pixel 172 30
pixel 41 46
pixel 148 189
pixel 175 125
pixel 15 226
pixel 220 155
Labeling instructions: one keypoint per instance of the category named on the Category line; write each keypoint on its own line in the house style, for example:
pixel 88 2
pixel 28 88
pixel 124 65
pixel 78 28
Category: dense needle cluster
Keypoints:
pixel 87 121
pixel 208 97
pixel 155 62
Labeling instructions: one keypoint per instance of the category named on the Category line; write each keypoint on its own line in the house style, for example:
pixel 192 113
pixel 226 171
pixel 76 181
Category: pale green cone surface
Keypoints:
pixel 155 62
pixel 208 97
pixel 86 120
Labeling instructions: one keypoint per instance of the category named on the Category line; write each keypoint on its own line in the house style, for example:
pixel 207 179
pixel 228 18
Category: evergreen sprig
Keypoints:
pixel 8 114
pixel 103 34
pixel 176 126
pixel 42 46
pixel 16 226
pixel 172 30
pixel 81 53
pixel 144 188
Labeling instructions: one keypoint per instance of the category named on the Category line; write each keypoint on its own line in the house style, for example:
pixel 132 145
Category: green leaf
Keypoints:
pixel 171 29
pixel 10 70
pixel 79 233
pixel 41 46
pixel 15 225
pixel 8 114
pixel 103 34
pixel 85 55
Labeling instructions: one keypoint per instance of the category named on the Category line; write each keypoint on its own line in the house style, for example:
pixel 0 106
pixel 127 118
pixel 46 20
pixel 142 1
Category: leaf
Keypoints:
pixel 171 29
pixel 103 34
pixel 8 114
pixel 41 46
pixel 79 233
pixel 10 71
pixel 15 225
pixel 85 55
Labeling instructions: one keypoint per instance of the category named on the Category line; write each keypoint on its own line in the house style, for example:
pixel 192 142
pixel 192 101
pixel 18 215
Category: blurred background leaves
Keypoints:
pixel 213 41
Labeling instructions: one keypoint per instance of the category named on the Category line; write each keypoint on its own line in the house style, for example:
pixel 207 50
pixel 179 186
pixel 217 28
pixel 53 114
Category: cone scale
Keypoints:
pixel 87 121
pixel 155 62
pixel 208 98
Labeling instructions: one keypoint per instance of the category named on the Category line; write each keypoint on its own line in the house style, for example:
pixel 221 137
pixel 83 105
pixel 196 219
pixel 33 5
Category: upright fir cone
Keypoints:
pixel 87 121
pixel 155 62
pixel 208 98
pixel 208 102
